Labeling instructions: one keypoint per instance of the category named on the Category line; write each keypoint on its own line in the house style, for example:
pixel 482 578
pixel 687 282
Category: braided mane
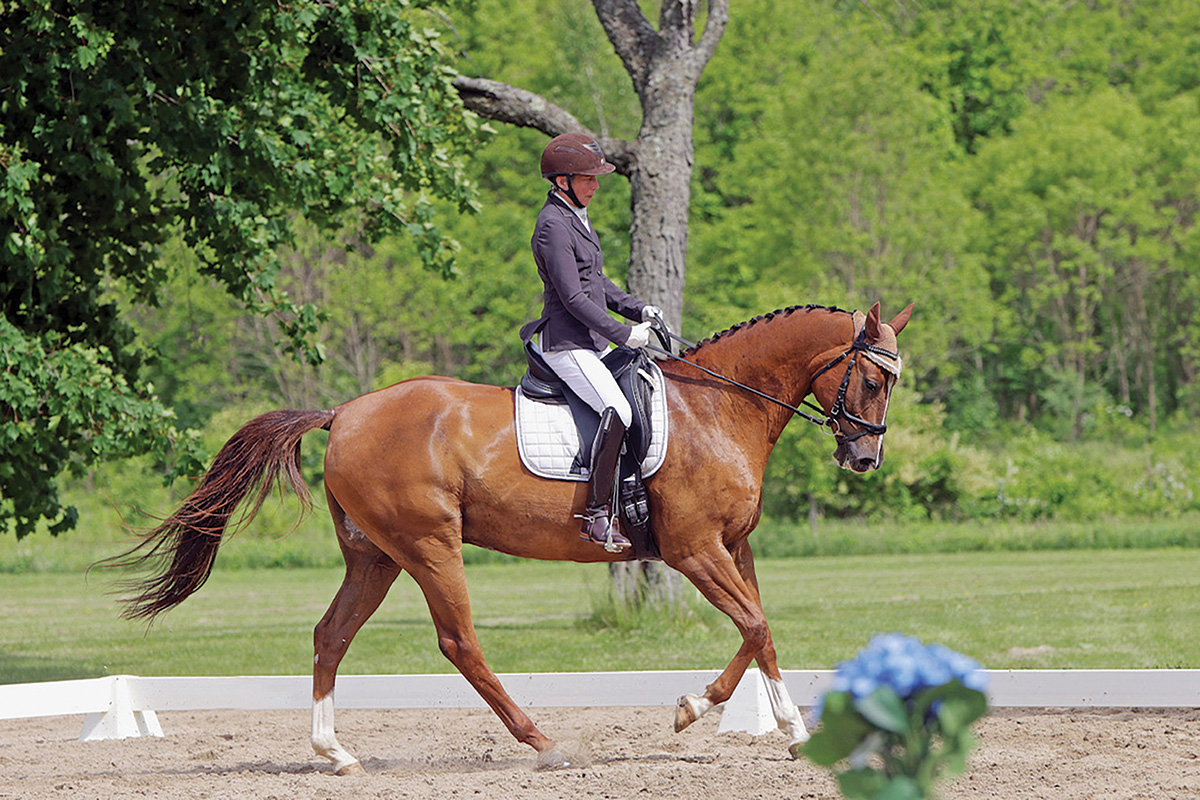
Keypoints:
pixel 741 326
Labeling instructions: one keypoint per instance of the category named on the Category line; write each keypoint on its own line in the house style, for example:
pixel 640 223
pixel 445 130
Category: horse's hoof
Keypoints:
pixel 685 712
pixel 553 759
pixel 353 768
pixel 796 749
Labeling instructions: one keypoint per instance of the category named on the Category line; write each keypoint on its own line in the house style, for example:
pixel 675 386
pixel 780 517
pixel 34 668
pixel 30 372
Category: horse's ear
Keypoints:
pixel 872 325
pixel 900 320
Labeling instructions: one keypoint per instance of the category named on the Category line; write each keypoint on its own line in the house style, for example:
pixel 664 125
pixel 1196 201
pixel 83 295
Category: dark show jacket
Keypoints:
pixel 577 293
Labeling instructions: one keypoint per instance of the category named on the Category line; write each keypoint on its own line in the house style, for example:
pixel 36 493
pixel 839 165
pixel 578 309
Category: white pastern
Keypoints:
pixel 786 713
pixel 699 706
pixel 324 741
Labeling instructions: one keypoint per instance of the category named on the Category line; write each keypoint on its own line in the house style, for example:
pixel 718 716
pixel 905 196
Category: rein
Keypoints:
pixel 836 414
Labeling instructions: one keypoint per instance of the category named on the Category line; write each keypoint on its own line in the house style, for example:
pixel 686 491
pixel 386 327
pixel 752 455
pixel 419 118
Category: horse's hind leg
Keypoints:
pixel 369 574
pixel 443 581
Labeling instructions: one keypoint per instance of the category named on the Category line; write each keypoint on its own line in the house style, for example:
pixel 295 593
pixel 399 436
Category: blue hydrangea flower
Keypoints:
pixel 907 665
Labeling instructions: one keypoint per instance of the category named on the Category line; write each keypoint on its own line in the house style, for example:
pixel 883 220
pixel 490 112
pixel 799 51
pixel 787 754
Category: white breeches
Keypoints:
pixel 585 373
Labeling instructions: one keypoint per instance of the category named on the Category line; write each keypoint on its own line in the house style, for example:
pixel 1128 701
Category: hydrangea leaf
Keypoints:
pixel 842 730
pixel 884 708
pixel 862 784
pixel 901 787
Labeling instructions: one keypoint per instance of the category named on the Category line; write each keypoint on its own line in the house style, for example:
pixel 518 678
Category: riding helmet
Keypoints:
pixel 574 154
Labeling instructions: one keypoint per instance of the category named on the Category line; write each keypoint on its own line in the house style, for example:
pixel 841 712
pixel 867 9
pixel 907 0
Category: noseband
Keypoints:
pixel 888 361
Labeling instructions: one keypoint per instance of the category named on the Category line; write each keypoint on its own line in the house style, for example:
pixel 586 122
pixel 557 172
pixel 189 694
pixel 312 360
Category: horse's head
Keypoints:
pixel 854 389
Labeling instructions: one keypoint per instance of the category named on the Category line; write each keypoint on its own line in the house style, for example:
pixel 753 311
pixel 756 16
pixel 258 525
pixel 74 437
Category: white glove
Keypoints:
pixel 639 336
pixel 652 312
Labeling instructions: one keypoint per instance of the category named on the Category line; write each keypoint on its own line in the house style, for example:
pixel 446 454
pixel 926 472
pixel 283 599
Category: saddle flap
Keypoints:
pixel 633 376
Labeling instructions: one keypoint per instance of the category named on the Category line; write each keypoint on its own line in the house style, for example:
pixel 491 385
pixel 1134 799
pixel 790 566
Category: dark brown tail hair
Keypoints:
pixel 179 553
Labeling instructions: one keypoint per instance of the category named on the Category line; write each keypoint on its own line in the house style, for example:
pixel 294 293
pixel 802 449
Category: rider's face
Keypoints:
pixel 585 186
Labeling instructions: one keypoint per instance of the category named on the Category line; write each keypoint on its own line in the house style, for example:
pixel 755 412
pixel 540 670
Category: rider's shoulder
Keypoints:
pixel 554 213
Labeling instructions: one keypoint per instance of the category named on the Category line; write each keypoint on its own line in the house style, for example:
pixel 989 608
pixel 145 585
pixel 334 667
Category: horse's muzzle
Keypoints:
pixel 858 458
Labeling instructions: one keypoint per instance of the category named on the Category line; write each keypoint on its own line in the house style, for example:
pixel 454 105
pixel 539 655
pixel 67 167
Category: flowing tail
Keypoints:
pixel 180 552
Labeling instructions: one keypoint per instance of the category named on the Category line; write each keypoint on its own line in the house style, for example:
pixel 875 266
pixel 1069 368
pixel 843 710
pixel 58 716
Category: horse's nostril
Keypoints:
pixel 864 464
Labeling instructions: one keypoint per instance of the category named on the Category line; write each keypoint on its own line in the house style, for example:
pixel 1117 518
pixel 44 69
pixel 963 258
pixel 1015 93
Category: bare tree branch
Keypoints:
pixel 631 34
pixel 505 103
pixel 676 24
pixel 516 106
pixel 714 29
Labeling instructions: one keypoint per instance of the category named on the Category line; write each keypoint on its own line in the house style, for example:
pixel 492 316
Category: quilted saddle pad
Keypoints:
pixel 548 439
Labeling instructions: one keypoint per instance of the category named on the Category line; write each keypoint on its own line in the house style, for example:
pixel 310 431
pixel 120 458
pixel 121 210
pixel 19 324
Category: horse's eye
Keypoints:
pixel 872 386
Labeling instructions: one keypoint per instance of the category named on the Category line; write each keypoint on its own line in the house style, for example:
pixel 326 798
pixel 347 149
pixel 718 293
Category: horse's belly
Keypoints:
pixel 529 517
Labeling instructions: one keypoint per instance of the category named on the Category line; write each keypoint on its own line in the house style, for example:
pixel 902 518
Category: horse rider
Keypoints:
pixel 575 327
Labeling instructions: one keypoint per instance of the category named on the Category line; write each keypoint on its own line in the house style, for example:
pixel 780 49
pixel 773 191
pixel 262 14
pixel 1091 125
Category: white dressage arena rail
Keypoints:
pixel 121 706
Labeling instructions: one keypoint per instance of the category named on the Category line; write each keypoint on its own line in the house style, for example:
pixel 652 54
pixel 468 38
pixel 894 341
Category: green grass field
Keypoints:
pixel 277 538
pixel 1033 609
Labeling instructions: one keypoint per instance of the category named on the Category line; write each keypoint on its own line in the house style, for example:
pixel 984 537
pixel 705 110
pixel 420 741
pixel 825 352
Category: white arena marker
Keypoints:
pixel 120 720
pixel 749 707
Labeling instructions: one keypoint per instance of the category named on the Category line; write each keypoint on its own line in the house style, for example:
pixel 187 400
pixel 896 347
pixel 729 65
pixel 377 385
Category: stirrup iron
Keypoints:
pixel 608 544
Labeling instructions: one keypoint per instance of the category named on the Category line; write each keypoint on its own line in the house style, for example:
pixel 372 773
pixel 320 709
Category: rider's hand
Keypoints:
pixel 652 313
pixel 639 336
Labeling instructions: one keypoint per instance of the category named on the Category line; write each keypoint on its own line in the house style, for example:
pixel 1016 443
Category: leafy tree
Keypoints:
pixel 125 124
pixel 1084 236
pixel 386 319
pixel 845 189
pixel 980 60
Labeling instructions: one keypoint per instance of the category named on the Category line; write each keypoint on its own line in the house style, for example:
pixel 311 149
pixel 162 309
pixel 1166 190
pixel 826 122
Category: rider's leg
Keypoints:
pixel 599 519
pixel 588 377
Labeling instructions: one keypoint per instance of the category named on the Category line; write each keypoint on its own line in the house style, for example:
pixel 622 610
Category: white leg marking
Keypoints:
pixel 699 706
pixel 324 741
pixel 786 713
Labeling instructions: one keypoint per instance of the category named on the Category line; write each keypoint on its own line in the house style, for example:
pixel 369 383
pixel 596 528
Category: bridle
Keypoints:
pixel 888 361
pixel 839 413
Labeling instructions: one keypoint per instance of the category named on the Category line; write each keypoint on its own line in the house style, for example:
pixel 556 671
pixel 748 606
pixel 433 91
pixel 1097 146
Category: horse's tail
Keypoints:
pixel 180 552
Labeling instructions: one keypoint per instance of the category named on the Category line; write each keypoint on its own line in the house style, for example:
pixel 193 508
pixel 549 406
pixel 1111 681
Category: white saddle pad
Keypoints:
pixel 548 440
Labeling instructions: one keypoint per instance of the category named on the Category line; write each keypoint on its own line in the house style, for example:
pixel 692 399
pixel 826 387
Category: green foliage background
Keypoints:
pixel 1025 172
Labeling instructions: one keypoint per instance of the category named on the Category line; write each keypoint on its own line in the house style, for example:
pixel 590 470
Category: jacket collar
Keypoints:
pixel 588 231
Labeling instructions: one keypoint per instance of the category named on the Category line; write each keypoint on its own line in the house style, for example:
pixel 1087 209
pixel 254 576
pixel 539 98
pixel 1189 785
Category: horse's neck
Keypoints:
pixel 776 355
pixel 779 353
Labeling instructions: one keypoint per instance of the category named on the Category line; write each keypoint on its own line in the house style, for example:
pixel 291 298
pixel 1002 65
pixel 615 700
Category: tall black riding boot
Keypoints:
pixel 599 519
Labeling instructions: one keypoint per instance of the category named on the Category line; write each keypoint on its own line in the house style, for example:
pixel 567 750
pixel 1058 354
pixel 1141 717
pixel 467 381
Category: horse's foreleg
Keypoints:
pixel 717 577
pixel 444 584
pixel 787 715
pixel 369 575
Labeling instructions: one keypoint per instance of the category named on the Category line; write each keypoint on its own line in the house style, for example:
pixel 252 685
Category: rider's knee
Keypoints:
pixel 624 412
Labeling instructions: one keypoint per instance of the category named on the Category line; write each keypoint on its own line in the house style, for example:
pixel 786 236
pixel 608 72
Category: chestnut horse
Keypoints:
pixel 415 470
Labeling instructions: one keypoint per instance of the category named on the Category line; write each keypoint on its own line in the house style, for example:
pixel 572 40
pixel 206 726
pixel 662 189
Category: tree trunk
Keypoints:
pixel 660 193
